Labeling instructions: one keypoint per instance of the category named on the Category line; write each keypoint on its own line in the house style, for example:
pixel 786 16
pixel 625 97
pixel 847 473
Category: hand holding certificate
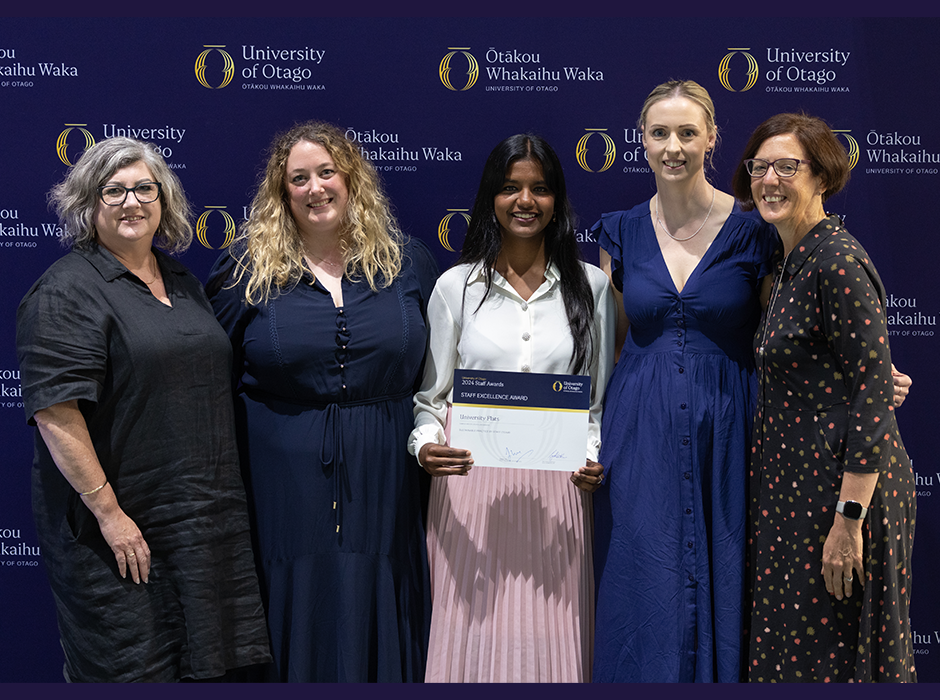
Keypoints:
pixel 521 420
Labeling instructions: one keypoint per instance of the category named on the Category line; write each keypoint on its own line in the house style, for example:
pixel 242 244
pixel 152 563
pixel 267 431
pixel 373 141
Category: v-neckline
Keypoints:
pixel 698 265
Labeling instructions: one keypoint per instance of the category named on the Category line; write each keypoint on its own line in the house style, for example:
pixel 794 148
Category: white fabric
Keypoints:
pixel 508 333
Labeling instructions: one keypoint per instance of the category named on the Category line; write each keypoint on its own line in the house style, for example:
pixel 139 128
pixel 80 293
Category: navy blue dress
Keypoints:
pixel 670 517
pixel 324 410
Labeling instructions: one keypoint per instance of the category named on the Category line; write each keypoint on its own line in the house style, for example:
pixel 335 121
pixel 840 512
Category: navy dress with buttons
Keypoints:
pixel 324 411
pixel 670 518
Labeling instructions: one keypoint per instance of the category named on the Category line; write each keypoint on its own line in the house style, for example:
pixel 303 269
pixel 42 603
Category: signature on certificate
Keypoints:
pixel 517 455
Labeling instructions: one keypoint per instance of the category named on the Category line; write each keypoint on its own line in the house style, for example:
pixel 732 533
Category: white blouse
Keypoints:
pixel 509 334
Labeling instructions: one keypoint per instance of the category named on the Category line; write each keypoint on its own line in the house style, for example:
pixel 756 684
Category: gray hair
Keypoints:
pixel 75 198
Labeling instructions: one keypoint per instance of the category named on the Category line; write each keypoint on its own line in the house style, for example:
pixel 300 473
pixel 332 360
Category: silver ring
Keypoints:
pixel 848 579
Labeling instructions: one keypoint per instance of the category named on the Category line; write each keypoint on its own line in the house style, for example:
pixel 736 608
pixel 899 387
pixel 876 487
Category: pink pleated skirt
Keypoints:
pixel 512 578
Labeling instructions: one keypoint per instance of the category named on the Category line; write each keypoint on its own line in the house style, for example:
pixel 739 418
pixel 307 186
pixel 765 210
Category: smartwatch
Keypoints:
pixel 851 510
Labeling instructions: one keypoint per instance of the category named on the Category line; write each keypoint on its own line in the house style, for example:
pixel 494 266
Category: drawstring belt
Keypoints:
pixel 331 445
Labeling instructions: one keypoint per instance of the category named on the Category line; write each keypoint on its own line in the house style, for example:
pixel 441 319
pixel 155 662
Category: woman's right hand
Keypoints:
pixel 441 460
pixel 130 549
pixel 63 429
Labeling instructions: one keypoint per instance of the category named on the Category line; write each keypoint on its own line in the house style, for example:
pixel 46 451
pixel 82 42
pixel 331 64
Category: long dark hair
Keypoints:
pixel 483 241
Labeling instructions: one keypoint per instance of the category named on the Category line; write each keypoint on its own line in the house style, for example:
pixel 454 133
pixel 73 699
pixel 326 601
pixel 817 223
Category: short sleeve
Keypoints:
pixel 609 234
pixel 230 308
pixel 766 241
pixel 61 345
pixel 425 266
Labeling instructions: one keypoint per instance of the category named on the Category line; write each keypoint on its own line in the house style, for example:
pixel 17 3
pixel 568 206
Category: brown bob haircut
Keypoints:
pixel 829 161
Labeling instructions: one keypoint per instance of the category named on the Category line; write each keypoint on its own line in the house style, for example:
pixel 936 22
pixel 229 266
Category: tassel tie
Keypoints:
pixel 332 454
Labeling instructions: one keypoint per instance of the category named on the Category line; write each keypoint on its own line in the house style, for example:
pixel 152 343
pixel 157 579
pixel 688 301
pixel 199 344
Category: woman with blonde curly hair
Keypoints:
pixel 137 493
pixel 324 300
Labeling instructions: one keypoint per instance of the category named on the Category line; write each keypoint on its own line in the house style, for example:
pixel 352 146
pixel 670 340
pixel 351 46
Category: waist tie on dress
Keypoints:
pixel 331 445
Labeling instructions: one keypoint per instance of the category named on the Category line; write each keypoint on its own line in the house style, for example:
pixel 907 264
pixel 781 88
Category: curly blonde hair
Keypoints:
pixel 269 249
pixel 76 197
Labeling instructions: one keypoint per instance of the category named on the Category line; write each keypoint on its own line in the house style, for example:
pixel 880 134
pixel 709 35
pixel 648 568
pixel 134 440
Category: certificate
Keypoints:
pixel 521 419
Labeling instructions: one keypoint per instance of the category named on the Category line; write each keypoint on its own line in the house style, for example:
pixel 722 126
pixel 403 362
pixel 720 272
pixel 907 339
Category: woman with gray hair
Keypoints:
pixel 137 494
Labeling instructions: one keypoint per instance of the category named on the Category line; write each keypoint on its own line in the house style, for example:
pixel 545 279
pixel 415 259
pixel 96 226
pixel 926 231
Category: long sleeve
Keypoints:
pixel 431 401
pixel 506 333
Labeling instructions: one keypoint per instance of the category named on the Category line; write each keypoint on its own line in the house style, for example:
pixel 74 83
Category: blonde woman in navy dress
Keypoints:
pixel 324 300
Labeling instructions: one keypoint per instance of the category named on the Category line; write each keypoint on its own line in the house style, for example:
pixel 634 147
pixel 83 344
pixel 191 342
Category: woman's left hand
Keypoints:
pixel 842 557
pixel 902 386
pixel 589 477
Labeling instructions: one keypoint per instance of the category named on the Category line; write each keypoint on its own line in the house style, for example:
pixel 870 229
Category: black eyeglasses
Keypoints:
pixel 114 195
pixel 784 167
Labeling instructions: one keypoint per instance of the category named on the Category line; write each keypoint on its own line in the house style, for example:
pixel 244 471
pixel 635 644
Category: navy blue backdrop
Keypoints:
pixel 427 98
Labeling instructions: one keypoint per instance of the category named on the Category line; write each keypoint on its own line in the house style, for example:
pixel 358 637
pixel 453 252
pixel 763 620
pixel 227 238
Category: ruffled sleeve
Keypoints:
pixel 609 234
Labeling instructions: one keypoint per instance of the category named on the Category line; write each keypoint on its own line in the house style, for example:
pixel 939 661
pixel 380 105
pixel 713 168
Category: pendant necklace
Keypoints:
pixel 663 226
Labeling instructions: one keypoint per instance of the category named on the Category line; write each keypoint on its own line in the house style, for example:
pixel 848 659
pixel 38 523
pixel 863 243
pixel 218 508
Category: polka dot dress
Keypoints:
pixel 825 407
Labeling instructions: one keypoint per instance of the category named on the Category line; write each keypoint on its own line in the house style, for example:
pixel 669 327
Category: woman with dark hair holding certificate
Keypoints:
pixel 510 548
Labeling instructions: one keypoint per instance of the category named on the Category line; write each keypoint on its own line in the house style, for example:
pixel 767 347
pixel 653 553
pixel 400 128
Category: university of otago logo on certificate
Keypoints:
pixel 459 70
pixel 444 228
pixel 202 228
pixel 729 70
pixel 69 135
pixel 213 78
pixel 852 143
pixel 586 158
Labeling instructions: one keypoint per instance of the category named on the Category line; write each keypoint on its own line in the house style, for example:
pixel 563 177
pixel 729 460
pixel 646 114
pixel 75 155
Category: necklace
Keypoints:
pixel 326 262
pixel 778 283
pixel 156 273
pixel 663 226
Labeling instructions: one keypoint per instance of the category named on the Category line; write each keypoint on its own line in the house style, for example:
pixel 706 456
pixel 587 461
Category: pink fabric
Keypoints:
pixel 512 578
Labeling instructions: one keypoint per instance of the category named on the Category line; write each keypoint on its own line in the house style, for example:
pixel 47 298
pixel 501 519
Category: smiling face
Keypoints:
pixel 676 138
pixel 524 204
pixel 130 225
pixel 792 204
pixel 316 190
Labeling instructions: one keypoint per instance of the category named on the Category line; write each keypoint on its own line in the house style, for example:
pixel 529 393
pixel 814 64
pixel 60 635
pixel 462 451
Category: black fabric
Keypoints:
pixel 153 383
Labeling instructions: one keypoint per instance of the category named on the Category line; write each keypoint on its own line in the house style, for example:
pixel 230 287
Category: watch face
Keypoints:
pixel 853 510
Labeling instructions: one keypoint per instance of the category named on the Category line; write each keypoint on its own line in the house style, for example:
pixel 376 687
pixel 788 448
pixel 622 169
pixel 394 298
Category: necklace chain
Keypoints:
pixel 325 262
pixel 778 284
pixel 663 226
pixel 156 273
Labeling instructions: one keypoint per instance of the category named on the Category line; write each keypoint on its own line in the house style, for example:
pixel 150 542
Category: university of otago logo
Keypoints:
pixel 443 228
pixel 62 143
pixel 853 145
pixel 724 69
pixel 228 233
pixel 447 70
pixel 557 386
pixel 228 66
pixel 610 150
